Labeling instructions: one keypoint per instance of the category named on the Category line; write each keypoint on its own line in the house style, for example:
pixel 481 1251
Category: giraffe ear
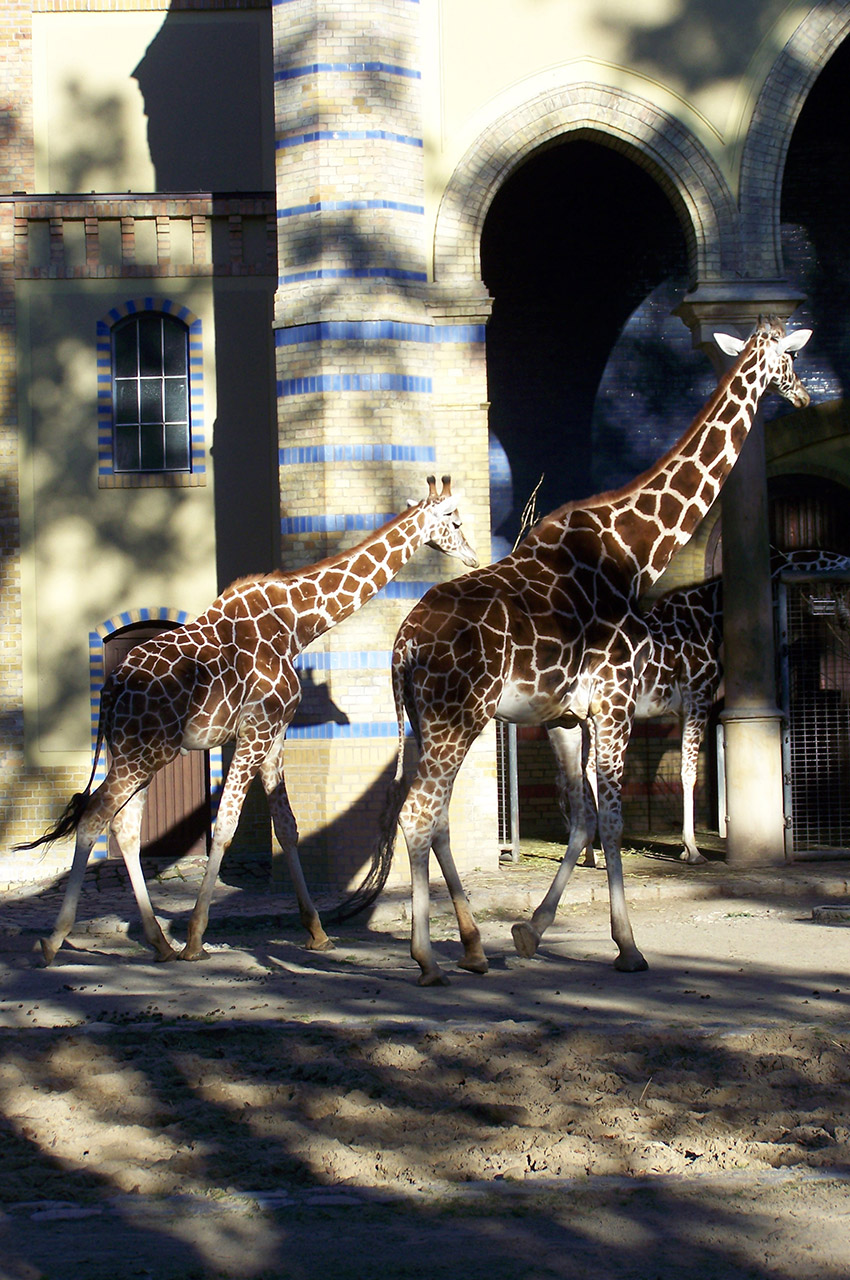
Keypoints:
pixel 731 346
pixel 795 341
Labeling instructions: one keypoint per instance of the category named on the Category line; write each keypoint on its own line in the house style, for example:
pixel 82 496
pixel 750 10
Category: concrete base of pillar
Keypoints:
pixel 755 829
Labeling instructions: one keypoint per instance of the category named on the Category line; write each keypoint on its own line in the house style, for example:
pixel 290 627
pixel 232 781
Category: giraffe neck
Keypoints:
pixel 328 592
pixel 659 512
pixel 639 527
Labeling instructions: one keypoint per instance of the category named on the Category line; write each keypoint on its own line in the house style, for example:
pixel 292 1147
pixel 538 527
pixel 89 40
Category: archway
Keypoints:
pixel 566 270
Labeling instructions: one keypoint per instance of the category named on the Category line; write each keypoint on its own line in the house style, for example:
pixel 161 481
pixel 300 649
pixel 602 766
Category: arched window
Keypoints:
pixel 150 394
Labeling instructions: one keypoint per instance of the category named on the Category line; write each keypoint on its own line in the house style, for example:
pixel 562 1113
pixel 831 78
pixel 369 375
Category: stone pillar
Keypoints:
pixel 752 723
pixel 376 388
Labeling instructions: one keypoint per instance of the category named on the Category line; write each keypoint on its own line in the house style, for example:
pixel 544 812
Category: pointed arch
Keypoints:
pixel 650 137
pixel 777 110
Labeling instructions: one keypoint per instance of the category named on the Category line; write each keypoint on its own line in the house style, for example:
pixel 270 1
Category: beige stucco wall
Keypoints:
pixel 88 553
pixel 484 60
pixel 124 100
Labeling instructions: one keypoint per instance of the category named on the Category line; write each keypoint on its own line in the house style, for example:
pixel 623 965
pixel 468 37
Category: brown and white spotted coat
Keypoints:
pixel 684 672
pixel 229 676
pixel 552 634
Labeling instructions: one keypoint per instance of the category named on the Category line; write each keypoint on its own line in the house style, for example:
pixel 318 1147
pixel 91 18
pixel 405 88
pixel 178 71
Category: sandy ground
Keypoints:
pixel 276 1113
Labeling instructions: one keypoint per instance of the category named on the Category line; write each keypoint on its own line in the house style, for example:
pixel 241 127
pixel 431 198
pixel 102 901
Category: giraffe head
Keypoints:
pixel 777 350
pixel 443 523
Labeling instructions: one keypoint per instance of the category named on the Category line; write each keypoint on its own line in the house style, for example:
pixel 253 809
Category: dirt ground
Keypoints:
pixel 277 1113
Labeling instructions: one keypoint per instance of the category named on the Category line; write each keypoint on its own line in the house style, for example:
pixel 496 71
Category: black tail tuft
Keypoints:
pixel 376 877
pixel 68 821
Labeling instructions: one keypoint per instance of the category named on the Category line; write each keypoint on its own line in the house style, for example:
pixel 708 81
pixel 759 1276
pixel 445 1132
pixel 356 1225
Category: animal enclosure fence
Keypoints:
pixel 814 661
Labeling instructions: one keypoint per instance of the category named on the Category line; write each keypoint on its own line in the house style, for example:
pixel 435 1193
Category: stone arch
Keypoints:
pixel 777 110
pixel 653 139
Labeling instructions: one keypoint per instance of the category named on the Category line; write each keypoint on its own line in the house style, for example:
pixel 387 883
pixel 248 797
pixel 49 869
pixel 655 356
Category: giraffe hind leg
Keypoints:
pixel 127 829
pixel 474 958
pixel 104 803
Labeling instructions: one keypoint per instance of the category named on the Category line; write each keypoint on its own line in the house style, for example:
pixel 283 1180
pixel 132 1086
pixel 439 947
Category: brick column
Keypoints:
pixel 371 394
pixel 16 174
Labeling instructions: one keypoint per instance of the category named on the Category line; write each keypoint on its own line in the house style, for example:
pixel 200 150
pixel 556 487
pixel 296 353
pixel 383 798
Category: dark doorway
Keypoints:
pixel 573 243
pixel 178 810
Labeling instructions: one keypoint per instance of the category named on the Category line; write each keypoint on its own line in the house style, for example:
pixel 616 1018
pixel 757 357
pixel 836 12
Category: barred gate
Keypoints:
pixel 814 661
pixel 508 791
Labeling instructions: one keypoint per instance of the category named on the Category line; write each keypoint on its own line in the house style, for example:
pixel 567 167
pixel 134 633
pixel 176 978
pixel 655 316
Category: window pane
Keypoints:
pixel 174 346
pixel 126 448
pixel 176 400
pixel 177 447
pixel 150 345
pixel 126 406
pixel 151 406
pixel 125 350
pixel 151 458
pixel 151 399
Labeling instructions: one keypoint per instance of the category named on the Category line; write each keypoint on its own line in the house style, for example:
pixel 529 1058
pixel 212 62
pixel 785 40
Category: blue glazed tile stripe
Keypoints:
pixel 378 331
pixel 346 68
pixel 336 206
pixel 354 382
pixel 348 135
pixel 305 454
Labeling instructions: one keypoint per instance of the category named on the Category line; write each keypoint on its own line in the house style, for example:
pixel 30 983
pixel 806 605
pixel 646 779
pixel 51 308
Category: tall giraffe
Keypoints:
pixel 684 672
pixel 552 635
pixel 230 676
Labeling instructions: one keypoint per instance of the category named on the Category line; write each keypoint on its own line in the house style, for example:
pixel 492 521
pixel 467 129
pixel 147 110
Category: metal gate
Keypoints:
pixel 814 659
pixel 508 791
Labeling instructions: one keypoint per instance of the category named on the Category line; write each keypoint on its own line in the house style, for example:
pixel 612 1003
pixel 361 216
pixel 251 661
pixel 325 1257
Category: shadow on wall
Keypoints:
pixel 207 90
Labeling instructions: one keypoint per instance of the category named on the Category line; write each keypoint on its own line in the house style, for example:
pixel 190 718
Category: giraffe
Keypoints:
pixel 684 672
pixel 552 634
pixel 230 676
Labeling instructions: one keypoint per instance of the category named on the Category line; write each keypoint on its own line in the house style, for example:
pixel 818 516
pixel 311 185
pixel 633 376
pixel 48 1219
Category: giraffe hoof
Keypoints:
pixel 197 953
pixel 320 944
pixel 48 951
pixel 163 957
pixel 474 964
pixel 433 978
pixel 633 962
pixel 526 939
pixel 693 859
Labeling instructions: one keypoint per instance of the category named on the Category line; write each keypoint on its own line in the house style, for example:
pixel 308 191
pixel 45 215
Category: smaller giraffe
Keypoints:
pixel 229 676
pixel 684 672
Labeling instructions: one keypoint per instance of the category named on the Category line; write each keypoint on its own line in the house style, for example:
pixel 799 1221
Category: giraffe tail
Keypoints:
pixel 71 816
pixel 382 859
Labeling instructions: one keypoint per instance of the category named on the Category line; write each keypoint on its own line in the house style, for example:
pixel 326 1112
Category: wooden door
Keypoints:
pixel 178 812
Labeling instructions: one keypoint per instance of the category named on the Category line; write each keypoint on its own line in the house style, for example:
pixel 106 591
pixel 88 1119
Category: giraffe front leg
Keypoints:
pixel 569 747
pixel 629 958
pixel 286 831
pixel 692 734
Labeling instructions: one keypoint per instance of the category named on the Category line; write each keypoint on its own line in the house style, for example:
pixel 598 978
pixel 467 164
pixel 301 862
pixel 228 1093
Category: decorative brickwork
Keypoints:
pixel 779 105
pixel 650 137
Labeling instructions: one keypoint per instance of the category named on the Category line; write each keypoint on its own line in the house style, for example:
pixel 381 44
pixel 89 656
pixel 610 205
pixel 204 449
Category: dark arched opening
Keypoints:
pixel 573 243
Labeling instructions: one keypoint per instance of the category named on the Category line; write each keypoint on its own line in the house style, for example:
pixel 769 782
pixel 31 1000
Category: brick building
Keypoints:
pixel 368 241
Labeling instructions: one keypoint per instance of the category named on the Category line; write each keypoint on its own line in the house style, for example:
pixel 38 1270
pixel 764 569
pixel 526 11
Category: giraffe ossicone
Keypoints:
pixel 552 635
pixel 229 676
